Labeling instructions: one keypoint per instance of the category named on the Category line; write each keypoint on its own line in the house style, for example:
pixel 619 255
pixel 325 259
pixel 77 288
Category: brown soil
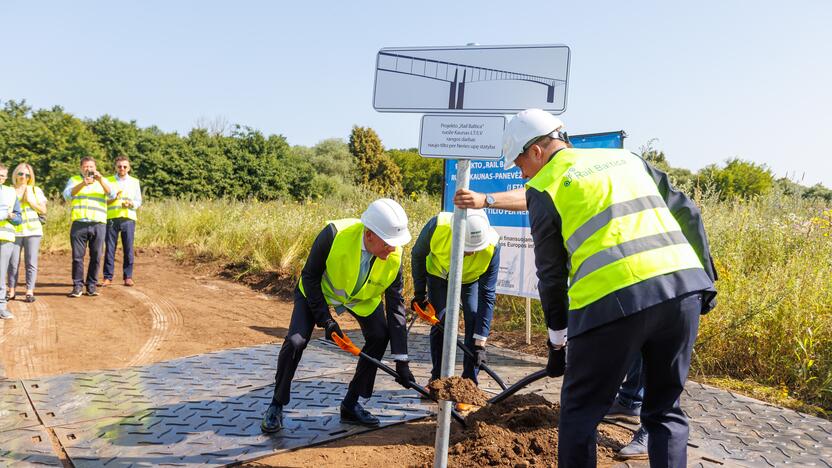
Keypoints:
pixel 457 389
pixel 517 341
pixel 522 431
pixel 518 432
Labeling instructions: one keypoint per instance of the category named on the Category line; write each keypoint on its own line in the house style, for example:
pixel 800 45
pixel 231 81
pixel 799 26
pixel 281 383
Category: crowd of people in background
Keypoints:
pixel 102 209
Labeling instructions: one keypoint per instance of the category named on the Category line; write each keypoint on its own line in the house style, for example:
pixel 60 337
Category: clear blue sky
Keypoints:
pixel 710 79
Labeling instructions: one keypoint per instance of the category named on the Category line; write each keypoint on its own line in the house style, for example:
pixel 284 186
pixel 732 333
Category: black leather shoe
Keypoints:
pixel 273 419
pixel 356 414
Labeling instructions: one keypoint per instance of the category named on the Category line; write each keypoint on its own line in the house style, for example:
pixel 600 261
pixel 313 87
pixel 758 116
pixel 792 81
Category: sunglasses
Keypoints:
pixel 23 174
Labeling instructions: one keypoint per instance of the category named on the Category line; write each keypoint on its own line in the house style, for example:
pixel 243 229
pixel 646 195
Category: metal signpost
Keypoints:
pixel 472 87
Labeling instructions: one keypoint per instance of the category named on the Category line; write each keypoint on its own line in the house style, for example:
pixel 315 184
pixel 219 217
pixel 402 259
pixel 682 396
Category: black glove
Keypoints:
pixel 405 376
pixel 557 361
pixel 421 301
pixel 330 327
pixel 479 356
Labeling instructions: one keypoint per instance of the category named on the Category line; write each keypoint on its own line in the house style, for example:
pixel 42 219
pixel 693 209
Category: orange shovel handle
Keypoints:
pixel 429 316
pixel 346 344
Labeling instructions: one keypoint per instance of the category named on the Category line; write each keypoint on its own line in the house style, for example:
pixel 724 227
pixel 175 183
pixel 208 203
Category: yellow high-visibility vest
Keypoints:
pixel 30 225
pixel 616 227
pixel 128 189
pixel 89 203
pixel 438 261
pixel 342 269
pixel 8 198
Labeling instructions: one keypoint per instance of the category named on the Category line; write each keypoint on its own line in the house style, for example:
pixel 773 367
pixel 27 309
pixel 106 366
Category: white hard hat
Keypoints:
pixel 387 220
pixel 479 233
pixel 526 126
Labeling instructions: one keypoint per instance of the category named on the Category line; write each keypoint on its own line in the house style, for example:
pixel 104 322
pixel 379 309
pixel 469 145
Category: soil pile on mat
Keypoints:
pixel 457 389
pixel 522 431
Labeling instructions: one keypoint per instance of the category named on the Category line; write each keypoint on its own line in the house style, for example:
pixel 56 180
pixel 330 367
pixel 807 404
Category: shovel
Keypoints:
pixel 525 381
pixel 346 344
pixel 430 317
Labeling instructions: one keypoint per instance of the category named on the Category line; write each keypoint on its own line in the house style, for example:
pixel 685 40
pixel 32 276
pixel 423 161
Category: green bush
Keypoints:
pixel 739 179
pixel 419 175
pixel 375 170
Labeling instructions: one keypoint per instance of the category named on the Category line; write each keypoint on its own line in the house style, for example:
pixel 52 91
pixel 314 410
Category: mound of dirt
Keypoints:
pixel 457 389
pixel 522 431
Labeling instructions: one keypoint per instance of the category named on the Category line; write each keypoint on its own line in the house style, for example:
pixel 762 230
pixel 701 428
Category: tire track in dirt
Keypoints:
pixel 46 343
pixel 166 321
pixel 33 337
pixel 17 340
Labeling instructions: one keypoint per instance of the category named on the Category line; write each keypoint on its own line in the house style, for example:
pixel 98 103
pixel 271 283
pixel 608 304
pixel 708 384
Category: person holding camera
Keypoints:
pixel 87 193
pixel 121 220
pixel 29 232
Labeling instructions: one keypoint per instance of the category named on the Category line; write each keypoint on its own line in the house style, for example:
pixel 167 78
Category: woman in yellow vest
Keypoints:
pixel 9 218
pixel 430 265
pixel 29 232
pixel 623 264
pixel 352 264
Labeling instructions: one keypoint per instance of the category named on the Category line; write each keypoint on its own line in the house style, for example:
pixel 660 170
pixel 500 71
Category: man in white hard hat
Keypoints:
pixel 430 264
pixel 624 265
pixel 352 264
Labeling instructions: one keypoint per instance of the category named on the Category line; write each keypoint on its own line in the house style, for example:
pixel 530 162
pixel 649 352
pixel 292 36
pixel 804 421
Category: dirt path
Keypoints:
pixel 172 312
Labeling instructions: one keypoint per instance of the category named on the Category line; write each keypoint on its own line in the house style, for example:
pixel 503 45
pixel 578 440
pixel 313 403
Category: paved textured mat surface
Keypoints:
pixel 83 396
pixel 227 429
pixel 206 410
pixel 28 446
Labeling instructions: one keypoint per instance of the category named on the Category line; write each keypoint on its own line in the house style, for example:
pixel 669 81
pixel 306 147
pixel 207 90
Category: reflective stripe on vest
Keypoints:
pixel 342 268
pixel 90 203
pixel 438 262
pixel 617 228
pixel 8 197
pixel 127 193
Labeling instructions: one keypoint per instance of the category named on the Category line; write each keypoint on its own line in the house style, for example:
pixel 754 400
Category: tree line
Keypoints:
pixel 240 162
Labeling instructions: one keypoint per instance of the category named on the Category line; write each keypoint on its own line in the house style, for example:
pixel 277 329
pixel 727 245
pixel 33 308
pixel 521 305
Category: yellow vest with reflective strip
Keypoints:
pixel 342 268
pixel 31 225
pixel 8 197
pixel 616 227
pixel 114 208
pixel 90 203
pixel 438 262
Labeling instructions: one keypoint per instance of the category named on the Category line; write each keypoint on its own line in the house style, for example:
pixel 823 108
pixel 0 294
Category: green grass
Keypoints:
pixel 771 329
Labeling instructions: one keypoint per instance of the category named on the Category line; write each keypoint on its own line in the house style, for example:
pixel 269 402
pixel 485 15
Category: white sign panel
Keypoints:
pixel 462 136
pixel 472 79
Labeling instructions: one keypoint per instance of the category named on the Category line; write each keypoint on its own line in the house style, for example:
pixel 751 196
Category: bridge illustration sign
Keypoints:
pixel 472 79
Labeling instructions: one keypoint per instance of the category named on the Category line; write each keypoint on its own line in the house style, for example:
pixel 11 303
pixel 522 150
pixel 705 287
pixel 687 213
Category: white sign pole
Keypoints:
pixel 528 320
pixel 443 421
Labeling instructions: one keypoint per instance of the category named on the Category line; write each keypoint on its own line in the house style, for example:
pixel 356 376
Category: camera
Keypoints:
pixel 90 173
